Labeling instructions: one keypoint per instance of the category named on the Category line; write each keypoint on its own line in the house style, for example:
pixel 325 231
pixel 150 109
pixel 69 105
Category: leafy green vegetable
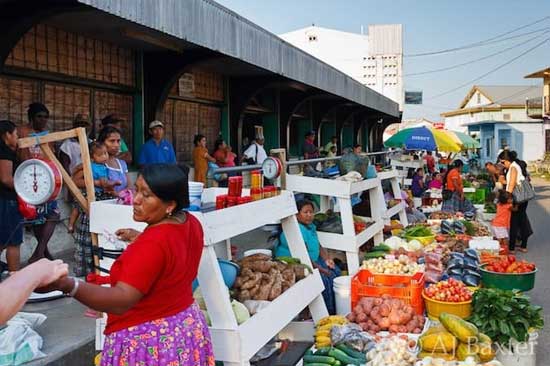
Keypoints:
pixel 505 315
pixel 418 231
pixel 470 228
pixel 490 208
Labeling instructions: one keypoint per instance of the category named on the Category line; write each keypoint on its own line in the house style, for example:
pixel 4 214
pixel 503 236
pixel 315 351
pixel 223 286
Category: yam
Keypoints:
pixel 254 290
pixel 261 266
pixel 276 289
pixel 252 282
pixel 254 258
pixel 361 317
pixel 244 295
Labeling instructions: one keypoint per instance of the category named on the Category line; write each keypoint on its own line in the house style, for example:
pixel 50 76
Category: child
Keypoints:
pixel 331 154
pixel 99 155
pixel 501 222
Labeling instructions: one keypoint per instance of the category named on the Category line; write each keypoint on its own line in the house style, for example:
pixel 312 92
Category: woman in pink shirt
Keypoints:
pixel 436 182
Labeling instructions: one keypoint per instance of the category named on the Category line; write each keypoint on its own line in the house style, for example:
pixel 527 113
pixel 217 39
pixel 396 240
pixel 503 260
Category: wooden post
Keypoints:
pixel 80 134
pixel 281 155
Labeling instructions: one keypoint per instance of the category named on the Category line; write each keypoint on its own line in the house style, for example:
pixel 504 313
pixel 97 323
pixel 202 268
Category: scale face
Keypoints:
pixel 271 168
pixel 37 181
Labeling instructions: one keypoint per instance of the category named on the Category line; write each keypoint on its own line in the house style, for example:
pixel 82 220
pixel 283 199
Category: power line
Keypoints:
pixel 476 60
pixel 491 71
pixel 485 42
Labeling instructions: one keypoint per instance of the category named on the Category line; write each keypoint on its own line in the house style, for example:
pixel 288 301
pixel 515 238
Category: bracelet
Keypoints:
pixel 75 287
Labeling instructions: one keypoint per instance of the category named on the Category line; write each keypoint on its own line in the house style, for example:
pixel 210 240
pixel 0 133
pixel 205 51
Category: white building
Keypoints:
pixel 491 103
pixel 374 59
pixel 496 115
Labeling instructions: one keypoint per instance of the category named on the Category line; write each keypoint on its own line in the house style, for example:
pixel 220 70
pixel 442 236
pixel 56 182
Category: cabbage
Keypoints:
pixel 394 242
pixel 414 245
pixel 240 311
pixel 199 299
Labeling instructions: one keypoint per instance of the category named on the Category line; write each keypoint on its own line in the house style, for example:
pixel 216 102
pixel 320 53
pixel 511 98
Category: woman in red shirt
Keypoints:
pixel 152 317
pixel 455 202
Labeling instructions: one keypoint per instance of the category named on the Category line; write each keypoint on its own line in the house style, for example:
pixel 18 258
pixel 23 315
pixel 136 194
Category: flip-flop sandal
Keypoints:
pixel 523 250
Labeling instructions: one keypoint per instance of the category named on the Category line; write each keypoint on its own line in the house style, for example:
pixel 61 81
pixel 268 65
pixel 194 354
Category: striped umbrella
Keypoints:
pixel 465 140
pixel 423 138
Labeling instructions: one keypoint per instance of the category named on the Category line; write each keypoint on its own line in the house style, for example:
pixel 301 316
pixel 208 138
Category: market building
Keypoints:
pixel 195 65
pixel 496 115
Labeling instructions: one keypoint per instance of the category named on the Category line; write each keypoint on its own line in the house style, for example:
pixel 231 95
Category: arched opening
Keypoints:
pixel 300 123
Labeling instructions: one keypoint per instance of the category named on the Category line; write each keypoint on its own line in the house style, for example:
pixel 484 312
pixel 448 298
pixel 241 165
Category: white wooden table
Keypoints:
pixel 348 241
pixel 236 344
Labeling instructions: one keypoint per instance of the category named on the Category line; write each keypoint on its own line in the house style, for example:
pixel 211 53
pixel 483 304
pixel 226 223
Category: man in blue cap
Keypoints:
pixel 157 149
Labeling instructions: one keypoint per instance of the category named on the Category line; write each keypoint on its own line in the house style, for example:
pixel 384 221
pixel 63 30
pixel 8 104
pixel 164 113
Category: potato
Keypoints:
pixel 361 317
pixel 417 331
pixel 393 328
pixel 384 323
pixel 364 326
pixel 377 302
pixel 351 317
pixel 367 308
pixel 384 310
pixel 358 309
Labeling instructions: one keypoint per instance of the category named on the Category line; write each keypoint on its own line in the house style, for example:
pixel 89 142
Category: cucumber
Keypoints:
pixel 381 248
pixel 317 364
pixel 371 255
pixel 319 359
pixel 337 363
pixel 343 357
pixel 322 351
pixel 309 352
pixel 352 353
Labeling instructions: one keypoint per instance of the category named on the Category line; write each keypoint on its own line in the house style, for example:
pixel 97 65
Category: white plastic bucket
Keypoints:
pixel 195 195
pixel 342 294
pixel 519 354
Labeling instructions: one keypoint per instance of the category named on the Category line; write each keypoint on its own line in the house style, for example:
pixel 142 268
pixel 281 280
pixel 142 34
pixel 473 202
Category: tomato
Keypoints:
pixel 511 258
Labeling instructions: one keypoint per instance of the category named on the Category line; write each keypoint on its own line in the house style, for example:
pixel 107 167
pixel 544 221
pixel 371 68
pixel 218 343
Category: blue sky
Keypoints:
pixel 428 25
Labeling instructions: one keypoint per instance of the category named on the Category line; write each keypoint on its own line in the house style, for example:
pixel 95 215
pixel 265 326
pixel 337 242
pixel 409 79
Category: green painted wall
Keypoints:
pixel 365 137
pixel 225 128
pixel 298 130
pixel 328 129
pixel 347 136
pixel 270 123
pixel 138 129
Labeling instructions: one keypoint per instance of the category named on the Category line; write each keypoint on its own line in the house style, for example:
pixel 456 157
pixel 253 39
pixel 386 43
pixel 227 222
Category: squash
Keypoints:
pixel 484 338
pixel 465 332
pixel 485 352
pixel 465 350
pixel 435 355
pixel 438 342
pixel 435 329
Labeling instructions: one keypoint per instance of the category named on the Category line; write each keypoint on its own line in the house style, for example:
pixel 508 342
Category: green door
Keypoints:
pixel 347 136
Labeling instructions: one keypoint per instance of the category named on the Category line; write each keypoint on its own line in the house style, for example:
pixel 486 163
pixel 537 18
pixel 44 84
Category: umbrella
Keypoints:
pixel 422 138
pixel 465 140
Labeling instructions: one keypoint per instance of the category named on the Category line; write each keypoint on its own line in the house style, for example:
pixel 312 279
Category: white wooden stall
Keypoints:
pixel 349 241
pixel 403 166
pixel 236 344
pixel 393 177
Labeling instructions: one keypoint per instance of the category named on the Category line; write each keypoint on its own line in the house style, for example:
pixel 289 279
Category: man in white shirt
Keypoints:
pixel 255 153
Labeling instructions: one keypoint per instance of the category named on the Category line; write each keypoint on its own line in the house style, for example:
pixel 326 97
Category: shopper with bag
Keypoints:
pixel 11 226
pixel 520 187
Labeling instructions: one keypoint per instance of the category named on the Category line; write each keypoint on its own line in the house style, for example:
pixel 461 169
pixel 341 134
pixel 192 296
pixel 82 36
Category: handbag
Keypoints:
pixel 523 192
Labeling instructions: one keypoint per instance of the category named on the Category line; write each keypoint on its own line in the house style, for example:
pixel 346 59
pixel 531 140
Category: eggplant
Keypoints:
pixel 470 263
pixel 471 280
pixel 471 253
pixel 469 272
pixel 456 277
pixel 455 272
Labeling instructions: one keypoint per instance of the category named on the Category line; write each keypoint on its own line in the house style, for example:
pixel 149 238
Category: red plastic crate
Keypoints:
pixel 407 288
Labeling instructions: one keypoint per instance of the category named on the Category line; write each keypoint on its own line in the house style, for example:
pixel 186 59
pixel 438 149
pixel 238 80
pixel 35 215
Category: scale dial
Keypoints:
pixel 271 168
pixel 37 181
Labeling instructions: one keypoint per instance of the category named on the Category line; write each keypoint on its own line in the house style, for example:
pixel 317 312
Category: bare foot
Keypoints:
pixel 70 229
pixel 523 250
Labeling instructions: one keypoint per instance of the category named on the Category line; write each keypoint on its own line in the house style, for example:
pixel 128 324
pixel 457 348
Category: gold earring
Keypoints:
pixel 169 213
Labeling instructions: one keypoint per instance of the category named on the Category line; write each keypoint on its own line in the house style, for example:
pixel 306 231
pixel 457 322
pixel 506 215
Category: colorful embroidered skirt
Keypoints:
pixel 179 340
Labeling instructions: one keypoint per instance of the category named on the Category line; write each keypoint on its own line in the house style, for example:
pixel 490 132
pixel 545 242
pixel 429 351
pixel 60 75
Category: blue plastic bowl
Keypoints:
pixel 229 273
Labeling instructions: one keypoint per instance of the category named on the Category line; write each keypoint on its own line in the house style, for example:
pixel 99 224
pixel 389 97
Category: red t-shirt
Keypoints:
pixel 161 264
pixel 503 215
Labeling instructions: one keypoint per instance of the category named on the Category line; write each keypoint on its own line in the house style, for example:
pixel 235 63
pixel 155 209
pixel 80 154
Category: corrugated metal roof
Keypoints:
pixel 510 94
pixel 208 24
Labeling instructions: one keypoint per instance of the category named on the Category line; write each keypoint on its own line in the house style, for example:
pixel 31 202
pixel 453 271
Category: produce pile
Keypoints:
pixel 417 231
pixel 331 222
pixel 456 339
pixel 374 314
pixel 262 278
pixel 393 351
pixel 464 267
pixel 402 265
pixel 441 215
pixel 509 264
pixel 449 291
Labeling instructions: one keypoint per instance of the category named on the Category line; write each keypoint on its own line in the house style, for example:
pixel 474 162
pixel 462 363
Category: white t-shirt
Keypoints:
pixel 256 151
pixel 520 176
pixel 71 147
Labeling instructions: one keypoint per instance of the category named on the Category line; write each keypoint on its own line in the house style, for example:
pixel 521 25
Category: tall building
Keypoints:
pixel 374 59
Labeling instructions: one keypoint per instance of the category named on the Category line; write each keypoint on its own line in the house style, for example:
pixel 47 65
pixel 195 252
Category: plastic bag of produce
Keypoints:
pixel 351 335
pixel 433 258
pixel 435 267
pixel 432 276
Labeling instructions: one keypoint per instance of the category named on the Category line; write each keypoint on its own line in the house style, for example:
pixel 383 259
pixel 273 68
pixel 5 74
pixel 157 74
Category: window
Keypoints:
pixel 488 145
pixel 506 116
pixel 478 98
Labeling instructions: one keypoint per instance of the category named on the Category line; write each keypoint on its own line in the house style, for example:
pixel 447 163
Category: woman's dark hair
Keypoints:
pixel 418 170
pixel 504 196
pixel 357 145
pixel 106 132
pixel 198 139
pixel 507 155
pixel 458 163
pixel 303 203
pixel 434 174
pixel 169 182
pixel 6 127
pixel 217 144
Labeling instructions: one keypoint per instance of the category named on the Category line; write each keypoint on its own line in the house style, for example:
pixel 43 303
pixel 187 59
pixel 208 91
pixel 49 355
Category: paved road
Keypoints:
pixel 539 252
